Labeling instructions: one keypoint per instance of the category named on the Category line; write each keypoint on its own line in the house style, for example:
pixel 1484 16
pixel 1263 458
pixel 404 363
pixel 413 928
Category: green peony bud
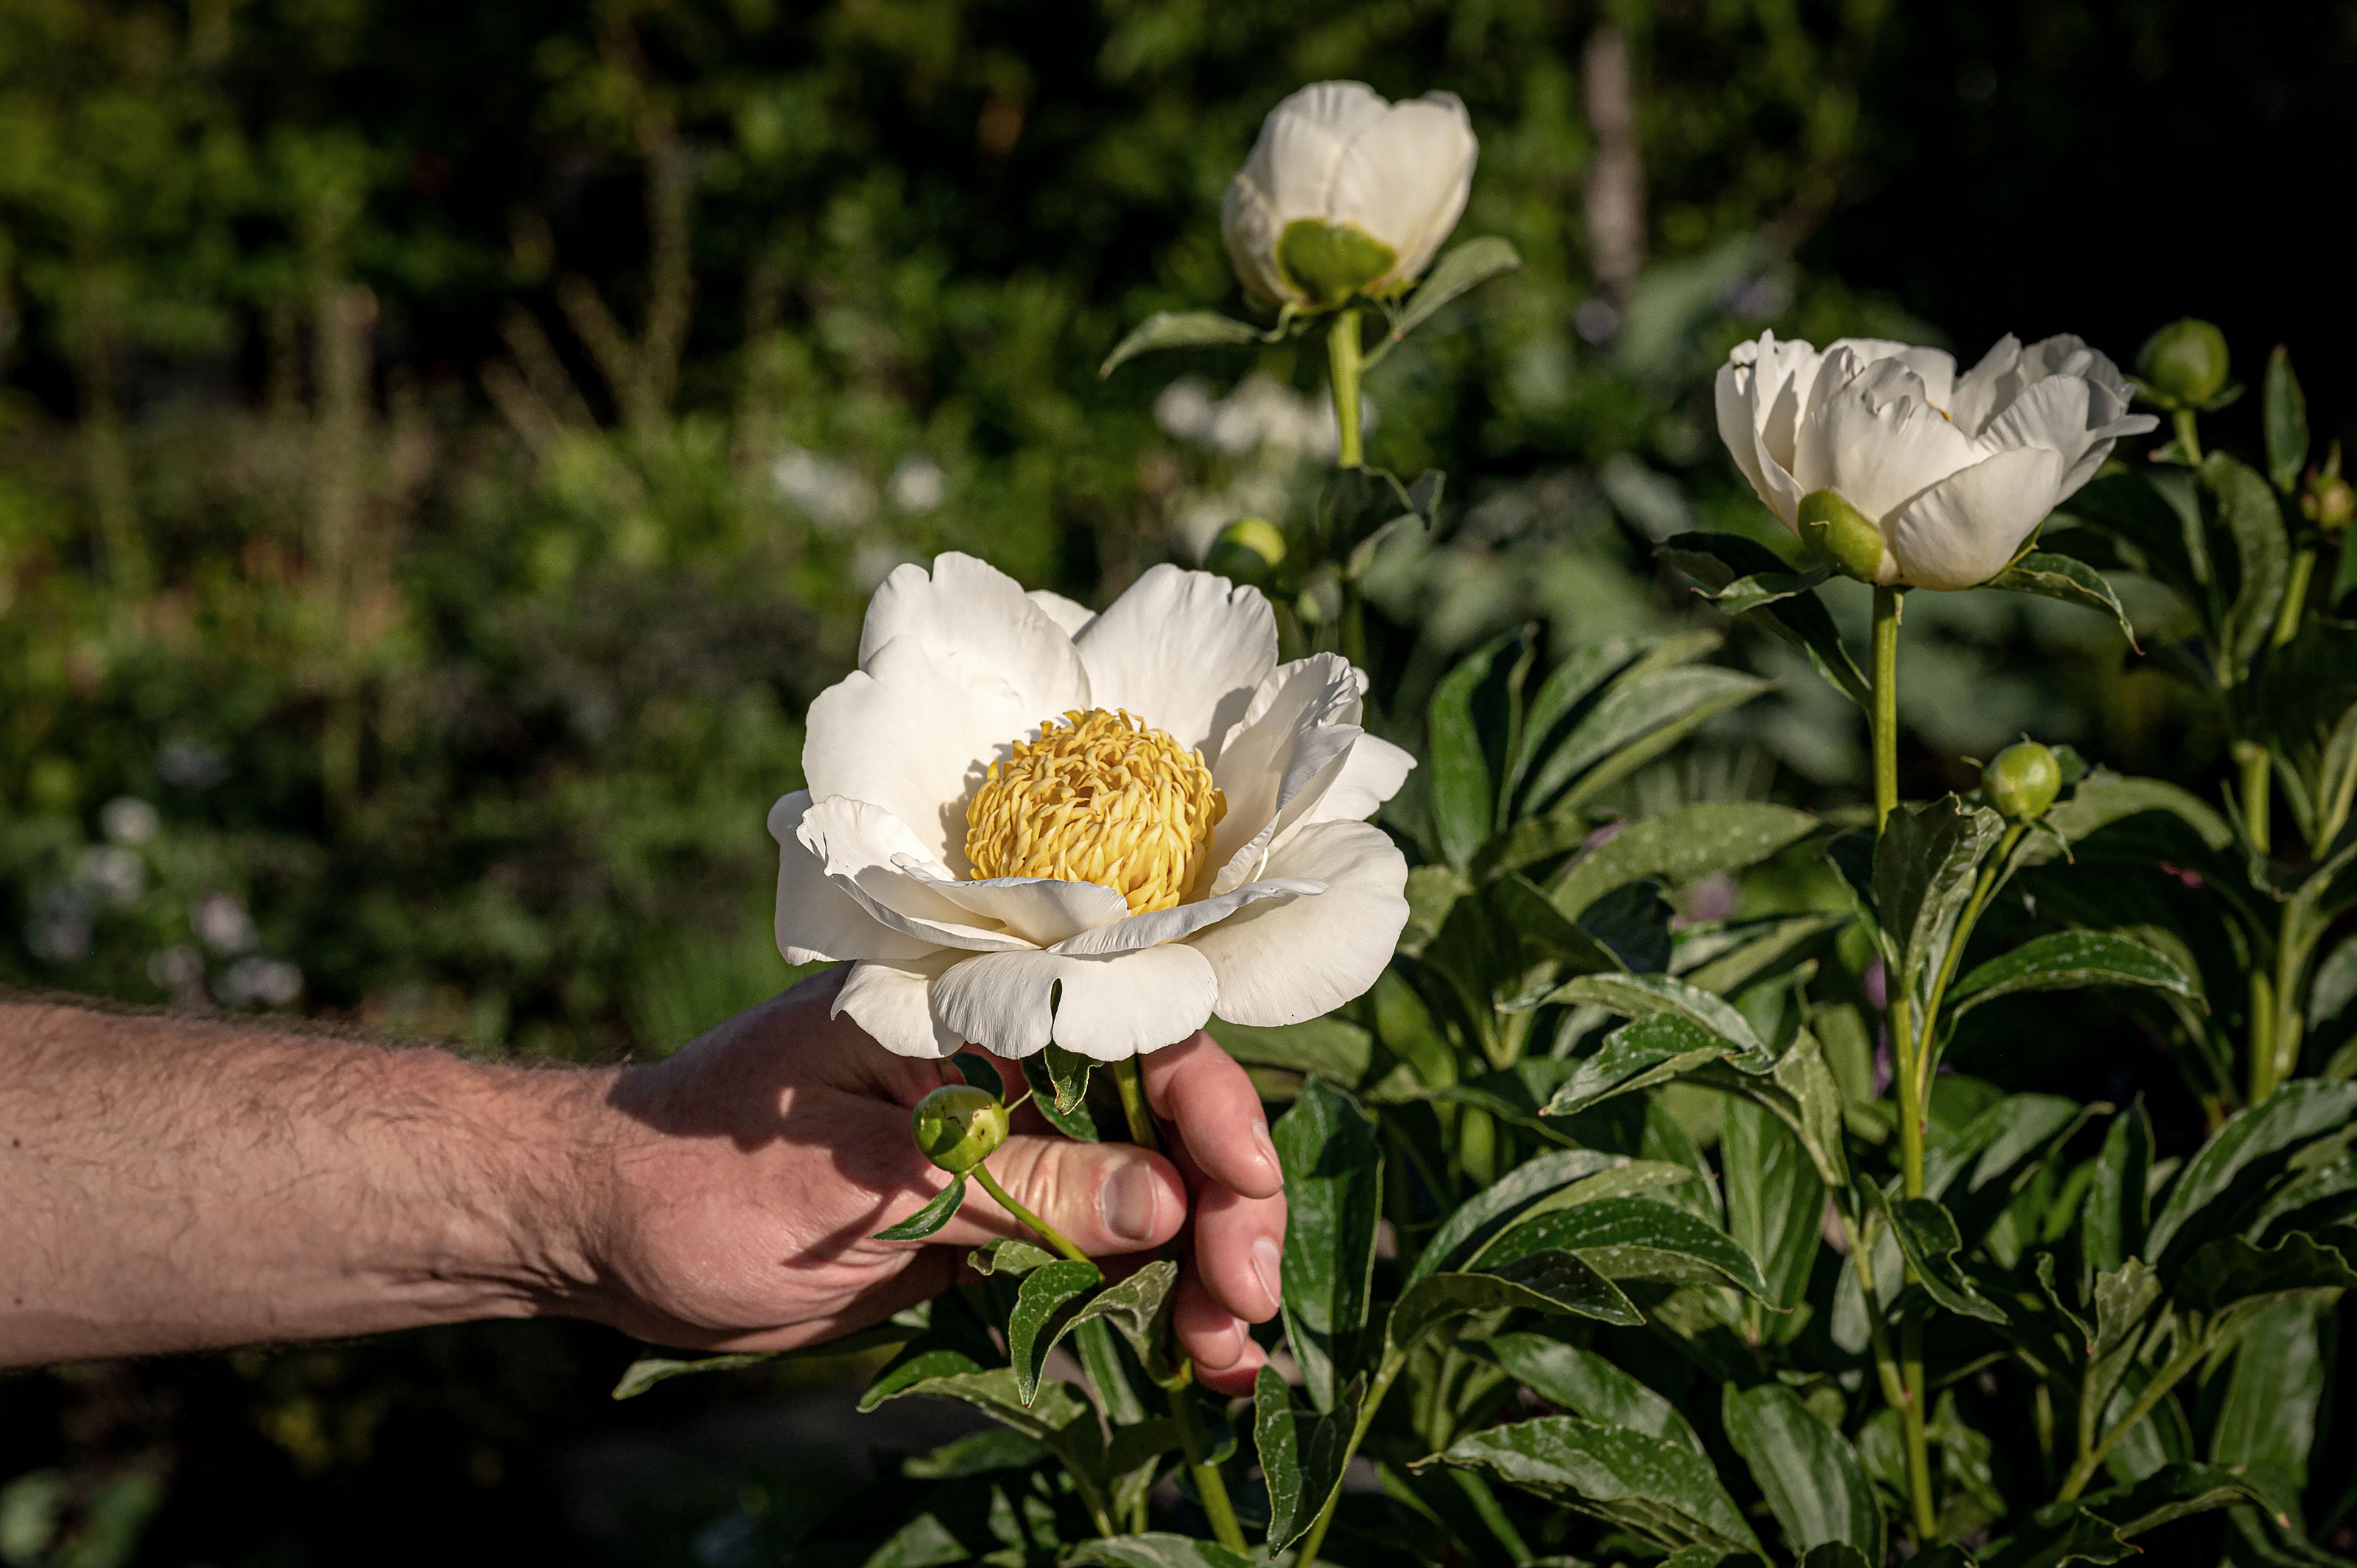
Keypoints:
pixel 2023 780
pixel 1330 261
pixel 1248 550
pixel 2326 499
pixel 958 1126
pixel 1845 536
pixel 2184 362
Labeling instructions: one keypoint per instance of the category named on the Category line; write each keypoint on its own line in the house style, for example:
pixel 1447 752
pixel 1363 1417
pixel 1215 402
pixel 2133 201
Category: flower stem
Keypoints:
pixel 2154 1392
pixel 2295 599
pixel 2187 440
pixel 1209 1485
pixel 1885 723
pixel 1343 361
pixel 1910 1084
pixel 1047 1232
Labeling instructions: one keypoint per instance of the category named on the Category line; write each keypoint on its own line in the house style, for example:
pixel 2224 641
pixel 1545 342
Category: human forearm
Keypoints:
pixel 175 1184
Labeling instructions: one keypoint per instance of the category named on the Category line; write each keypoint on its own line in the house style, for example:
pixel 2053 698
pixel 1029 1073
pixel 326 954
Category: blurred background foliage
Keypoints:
pixel 443 446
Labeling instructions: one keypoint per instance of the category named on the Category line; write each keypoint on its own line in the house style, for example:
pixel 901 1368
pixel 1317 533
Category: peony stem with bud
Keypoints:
pixel 1046 1232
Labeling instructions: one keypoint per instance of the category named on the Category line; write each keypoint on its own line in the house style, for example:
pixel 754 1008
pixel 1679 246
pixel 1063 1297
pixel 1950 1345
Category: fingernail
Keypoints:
pixel 1130 1198
pixel 1267 1150
pixel 1269 1264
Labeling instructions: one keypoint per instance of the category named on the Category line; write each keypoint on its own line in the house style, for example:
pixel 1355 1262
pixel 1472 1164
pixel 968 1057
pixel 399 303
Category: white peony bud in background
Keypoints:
pixel 1346 194
pixel 1905 474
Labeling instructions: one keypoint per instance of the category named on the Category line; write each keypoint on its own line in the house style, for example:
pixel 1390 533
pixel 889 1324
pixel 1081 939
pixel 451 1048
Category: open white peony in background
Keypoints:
pixel 1169 822
pixel 1953 473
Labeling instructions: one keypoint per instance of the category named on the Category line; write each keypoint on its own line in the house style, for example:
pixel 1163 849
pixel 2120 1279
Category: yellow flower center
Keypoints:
pixel 1098 797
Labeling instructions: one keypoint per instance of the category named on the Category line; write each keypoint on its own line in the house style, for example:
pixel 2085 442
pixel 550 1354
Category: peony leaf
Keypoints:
pixel 979 1071
pixel 2070 961
pixel 1471 709
pixel 1333 1191
pixel 2117 1209
pixel 1485 1212
pixel 2098 1529
pixel 2230 1272
pixel 2226 1175
pixel 646 1372
pixel 2050 576
pixel 977 1454
pixel 1813 1479
pixel 1466 267
pixel 2284 410
pixel 2242 504
pixel 1775 1199
pixel 1927 1235
pixel 1047 1303
pixel 931 1218
pixel 1680 846
pixel 1302 1455
pixel 1551 1282
pixel 1924 866
pixel 1585 1383
pixel 1641 715
pixel 1639 996
pixel 1661 1491
pixel 1179 329
pixel 1755 578
pixel 1139 1308
pixel 1633 1239
pixel 1652 1050
pixel 1160 1550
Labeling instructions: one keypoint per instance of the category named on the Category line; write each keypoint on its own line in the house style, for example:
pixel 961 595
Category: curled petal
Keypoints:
pixel 1989 387
pixel 1300 719
pixel 815 919
pixel 1038 909
pixel 1158 926
pixel 1962 531
pixel 892 1000
pixel 1935 369
pixel 973 609
pixel 1372 773
pixel 876 861
pixel 1110 1007
pixel 1069 617
pixel 1283 962
pixel 1880 441
pixel 1183 651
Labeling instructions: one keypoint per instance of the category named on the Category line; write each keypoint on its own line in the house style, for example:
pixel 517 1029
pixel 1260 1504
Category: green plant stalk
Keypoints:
pixel 2284 1020
pixel 1209 1485
pixel 1907 1082
pixel 1992 873
pixel 2181 420
pixel 1886 705
pixel 2295 599
pixel 2258 785
pixel 1343 363
pixel 1047 1232
pixel 2168 1378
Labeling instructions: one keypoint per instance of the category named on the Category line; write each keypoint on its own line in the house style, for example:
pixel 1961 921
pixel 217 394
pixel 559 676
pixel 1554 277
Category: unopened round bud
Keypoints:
pixel 2185 361
pixel 1248 550
pixel 958 1126
pixel 1844 536
pixel 2328 503
pixel 2023 780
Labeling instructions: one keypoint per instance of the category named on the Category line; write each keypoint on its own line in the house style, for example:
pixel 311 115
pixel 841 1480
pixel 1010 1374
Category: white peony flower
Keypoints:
pixel 1937 479
pixel 1027 823
pixel 1347 194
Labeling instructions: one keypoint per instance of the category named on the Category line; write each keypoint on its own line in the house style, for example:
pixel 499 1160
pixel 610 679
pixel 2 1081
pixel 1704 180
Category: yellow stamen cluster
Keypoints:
pixel 1098 797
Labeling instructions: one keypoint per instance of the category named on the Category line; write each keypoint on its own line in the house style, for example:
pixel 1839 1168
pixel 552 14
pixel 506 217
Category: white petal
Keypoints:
pixel 1962 531
pixel 974 609
pixel 914 733
pixel 1302 140
pixel 1261 764
pixel 815 919
pixel 1935 368
pixel 1161 926
pixel 1036 908
pixel 1282 963
pixel 1404 180
pixel 1183 651
pixel 1987 387
pixel 1069 617
pixel 1371 774
pixel 1880 440
pixel 1109 1008
pixel 1762 391
pixel 893 1002
pixel 1249 229
pixel 877 862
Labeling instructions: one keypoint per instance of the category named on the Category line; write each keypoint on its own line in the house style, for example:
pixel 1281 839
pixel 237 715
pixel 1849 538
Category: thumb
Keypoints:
pixel 1104 1198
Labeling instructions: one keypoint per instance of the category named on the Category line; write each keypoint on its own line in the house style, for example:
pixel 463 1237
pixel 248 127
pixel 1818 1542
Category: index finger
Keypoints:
pixel 1198 1087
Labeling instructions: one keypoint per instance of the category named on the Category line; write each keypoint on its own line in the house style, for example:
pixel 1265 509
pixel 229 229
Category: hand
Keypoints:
pixel 744 1177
